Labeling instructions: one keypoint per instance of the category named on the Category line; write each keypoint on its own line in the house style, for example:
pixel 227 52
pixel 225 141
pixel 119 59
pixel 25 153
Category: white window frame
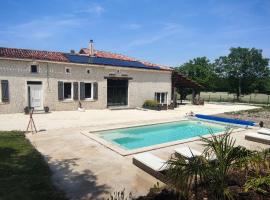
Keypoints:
pixel 71 96
pixel 92 90
pixel 31 68
pixel 69 68
pixel 165 97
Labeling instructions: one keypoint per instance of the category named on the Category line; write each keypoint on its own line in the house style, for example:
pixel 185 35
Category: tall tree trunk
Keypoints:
pixel 239 89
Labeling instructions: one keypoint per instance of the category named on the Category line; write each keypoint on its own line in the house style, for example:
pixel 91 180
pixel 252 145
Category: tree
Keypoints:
pixel 200 70
pixel 245 69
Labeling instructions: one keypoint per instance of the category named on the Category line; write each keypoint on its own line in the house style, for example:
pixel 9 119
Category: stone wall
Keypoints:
pixel 143 85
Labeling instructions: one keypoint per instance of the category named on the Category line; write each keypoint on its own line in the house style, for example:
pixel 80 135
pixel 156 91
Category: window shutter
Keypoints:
pixel 96 91
pixel 155 96
pixel 75 91
pixel 60 90
pixel 5 91
pixel 82 91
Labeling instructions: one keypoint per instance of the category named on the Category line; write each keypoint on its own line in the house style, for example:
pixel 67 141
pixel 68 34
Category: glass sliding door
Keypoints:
pixel 117 92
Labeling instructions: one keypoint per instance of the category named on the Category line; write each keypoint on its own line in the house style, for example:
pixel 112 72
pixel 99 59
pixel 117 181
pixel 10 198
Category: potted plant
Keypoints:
pixel 26 110
pixel 46 109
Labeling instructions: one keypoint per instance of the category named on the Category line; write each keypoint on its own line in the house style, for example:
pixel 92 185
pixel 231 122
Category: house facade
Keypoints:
pixel 90 79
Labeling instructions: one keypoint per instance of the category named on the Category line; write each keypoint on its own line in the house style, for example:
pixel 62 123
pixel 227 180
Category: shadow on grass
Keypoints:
pixel 76 184
pixel 6 153
pixel 25 175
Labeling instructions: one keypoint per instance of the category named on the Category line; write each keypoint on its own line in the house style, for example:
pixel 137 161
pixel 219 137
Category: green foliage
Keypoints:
pixel 224 171
pixel 24 174
pixel 227 155
pixel 260 185
pixel 201 70
pixel 212 171
pixel 150 103
pixel 245 69
pixel 242 71
pixel 185 174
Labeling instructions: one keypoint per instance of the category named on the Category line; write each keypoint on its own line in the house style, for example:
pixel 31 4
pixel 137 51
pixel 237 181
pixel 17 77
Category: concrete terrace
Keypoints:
pixel 102 119
pixel 85 169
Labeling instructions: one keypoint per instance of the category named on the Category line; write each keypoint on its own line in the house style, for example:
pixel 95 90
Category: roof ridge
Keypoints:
pixel 61 56
pixel 130 58
pixel 24 49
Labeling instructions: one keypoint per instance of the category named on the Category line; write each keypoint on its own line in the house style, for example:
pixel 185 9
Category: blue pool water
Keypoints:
pixel 144 136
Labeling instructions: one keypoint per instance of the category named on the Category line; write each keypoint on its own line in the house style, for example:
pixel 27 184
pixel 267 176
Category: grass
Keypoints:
pixel 254 98
pixel 24 174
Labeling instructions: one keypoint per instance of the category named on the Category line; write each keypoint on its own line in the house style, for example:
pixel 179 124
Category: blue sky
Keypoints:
pixel 166 32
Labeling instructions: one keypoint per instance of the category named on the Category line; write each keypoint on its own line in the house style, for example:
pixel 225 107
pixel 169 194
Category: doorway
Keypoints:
pixel 117 92
pixel 35 94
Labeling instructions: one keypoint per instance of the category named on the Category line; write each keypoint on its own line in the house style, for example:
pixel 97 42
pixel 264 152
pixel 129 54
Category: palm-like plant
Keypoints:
pixel 259 162
pixel 260 184
pixel 227 156
pixel 186 174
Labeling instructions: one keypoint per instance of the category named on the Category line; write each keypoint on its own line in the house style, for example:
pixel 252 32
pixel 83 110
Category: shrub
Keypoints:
pixel 150 103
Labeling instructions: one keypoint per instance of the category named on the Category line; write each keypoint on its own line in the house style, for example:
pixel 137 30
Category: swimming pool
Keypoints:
pixel 144 136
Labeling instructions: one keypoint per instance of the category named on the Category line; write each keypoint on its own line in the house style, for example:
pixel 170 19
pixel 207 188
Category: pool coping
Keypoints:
pixel 125 152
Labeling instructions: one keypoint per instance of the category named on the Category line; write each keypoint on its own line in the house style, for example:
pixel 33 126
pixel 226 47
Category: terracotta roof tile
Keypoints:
pixel 32 54
pixel 60 57
pixel 105 54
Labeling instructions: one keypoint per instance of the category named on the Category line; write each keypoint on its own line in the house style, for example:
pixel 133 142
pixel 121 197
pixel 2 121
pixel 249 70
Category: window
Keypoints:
pixel 4 91
pixel 88 91
pixel 88 71
pixel 67 70
pixel 34 68
pixel 161 97
pixel 67 90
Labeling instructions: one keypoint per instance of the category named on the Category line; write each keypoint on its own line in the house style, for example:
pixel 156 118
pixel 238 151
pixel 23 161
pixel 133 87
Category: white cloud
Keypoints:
pixel 166 31
pixel 133 26
pixel 43 28
pixel 93 9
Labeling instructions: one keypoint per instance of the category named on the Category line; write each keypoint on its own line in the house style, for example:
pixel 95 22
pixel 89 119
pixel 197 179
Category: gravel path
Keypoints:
pixel 255 115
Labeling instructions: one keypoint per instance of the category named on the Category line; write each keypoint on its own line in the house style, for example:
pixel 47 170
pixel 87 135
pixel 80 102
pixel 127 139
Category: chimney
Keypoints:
pixel 91 48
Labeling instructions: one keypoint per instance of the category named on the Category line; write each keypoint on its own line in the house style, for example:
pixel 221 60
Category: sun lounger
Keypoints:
pixel 187 152
pixel 264 131
pixel 258 137
pixel 151 164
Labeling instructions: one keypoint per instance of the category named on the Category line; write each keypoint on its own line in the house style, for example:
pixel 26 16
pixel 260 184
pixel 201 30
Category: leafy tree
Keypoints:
pixel 245 69
pixel 200 70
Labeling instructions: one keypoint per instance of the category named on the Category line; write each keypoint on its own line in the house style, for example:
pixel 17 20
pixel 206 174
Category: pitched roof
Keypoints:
pixel 108 57
pixel 182 81
pixel 32 54
pixel 106 54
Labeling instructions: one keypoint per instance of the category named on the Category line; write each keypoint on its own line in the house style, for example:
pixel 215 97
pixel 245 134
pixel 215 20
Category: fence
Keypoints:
pixel 254 98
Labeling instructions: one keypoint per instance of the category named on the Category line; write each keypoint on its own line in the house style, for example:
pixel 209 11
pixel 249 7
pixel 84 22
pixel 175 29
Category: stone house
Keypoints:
pixel 91 79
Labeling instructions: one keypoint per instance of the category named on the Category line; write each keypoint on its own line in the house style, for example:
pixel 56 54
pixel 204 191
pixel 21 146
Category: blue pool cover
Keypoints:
pixel 226 120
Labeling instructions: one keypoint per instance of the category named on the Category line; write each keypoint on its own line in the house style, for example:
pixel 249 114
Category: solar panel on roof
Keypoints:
pixel 108 61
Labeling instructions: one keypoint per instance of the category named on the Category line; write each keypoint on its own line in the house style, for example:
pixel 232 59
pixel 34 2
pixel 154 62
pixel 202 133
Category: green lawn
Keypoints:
pixel 227 97
pixel 23 172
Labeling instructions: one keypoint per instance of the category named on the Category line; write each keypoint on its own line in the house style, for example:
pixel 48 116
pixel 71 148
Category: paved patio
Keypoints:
pixel 85 169
pixel 102 118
